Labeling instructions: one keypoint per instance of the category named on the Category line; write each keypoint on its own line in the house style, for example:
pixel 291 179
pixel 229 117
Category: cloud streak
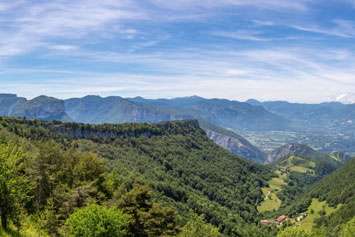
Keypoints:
pixel 273 5
pixel 343 28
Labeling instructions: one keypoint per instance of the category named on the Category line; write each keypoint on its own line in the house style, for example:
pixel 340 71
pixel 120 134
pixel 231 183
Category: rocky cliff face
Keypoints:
pixel 288 150
pixel 8 103
pixel 238 146
pixel 112 131
pixel 42 107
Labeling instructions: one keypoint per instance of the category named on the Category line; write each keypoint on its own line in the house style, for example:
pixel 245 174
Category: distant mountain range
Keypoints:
pixel 221 119
pixel 42 107
pixel 224 113
pixel 324 117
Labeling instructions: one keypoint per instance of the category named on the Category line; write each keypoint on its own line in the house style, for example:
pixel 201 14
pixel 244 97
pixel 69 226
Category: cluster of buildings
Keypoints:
pixel 281 219
pixel 277 221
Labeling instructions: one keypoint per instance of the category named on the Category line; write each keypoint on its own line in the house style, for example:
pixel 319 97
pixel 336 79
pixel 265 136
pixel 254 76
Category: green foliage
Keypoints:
pixel 14 184
pixel 147 219
pixel 302 172
pixel 98 221
pixel 336 188
pixel 299 232
pixel 181 165
pixel 348 229
pixel 197 227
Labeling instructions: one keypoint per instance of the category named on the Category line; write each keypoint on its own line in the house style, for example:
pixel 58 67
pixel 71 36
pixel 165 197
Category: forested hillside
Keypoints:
pixel 337 191
pixel 299 167
pixel 58 167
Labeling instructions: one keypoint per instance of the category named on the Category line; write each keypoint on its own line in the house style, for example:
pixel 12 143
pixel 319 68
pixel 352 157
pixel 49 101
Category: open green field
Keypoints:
pixel 300 169
pixel 316 206
pixel 271 201
pixel 298 164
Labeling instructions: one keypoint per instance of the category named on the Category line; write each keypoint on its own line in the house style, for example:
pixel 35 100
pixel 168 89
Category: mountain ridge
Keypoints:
pixel 41 107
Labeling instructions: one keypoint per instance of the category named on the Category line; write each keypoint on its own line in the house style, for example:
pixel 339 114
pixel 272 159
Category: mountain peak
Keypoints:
pixel 253 102
pixel 288 150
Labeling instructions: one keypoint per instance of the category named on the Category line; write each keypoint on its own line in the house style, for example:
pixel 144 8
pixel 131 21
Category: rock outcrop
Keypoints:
pixel 238 146
pixel 288 150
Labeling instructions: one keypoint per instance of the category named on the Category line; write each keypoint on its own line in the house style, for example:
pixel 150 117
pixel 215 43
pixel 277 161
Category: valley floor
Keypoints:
pixel 271 201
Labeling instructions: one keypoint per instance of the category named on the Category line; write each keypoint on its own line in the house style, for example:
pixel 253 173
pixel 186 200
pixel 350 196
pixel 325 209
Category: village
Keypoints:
pixel 281 219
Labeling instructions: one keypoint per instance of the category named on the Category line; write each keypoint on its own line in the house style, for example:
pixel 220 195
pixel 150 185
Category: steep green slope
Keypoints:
pixel 299 167
pixel 336 189
pixel 181 165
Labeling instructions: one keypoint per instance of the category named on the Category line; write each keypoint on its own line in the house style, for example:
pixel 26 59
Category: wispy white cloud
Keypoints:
pixel 342 28
pixel 31 25
pixel 296 74
pixel 63 47
pixel 261 4
pixel 263 23
pixel 242 35
pixel 159 48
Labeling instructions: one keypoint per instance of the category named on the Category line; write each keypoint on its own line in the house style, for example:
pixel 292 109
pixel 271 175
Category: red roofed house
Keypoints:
pixel 279 220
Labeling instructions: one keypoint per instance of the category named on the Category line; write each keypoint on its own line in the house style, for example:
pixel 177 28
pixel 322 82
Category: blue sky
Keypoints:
pixel 295 50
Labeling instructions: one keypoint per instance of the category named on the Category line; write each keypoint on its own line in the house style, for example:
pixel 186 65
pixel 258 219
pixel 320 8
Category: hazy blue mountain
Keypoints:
pixel 42 107
pixel 8 103
pixel 115 109
pixel 179 102
pixel 224 113
pixel 323 116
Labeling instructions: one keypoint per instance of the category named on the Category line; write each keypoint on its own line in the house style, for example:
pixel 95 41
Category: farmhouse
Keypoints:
pixel 280 219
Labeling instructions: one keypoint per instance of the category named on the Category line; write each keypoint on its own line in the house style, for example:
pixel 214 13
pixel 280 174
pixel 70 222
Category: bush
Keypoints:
pixel 97 221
